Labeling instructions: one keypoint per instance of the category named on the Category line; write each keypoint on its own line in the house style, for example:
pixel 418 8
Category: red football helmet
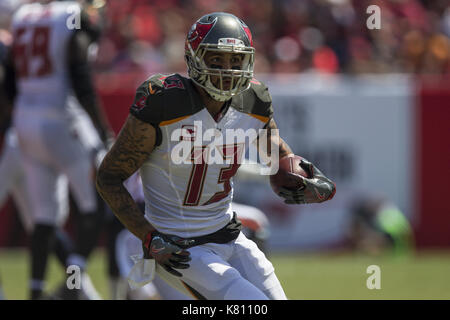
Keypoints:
pixel 219 32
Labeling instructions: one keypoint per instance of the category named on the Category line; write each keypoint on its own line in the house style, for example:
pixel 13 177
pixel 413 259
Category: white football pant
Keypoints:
pixel 52 149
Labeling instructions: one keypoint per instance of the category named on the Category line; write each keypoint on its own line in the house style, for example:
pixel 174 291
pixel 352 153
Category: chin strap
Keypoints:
pixel 218 97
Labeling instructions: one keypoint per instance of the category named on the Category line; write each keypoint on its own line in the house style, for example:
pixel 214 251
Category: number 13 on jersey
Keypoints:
pixel 231 154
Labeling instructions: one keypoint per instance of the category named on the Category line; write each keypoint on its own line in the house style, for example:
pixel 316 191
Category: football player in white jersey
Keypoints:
pixel 59 124
pixel 189 227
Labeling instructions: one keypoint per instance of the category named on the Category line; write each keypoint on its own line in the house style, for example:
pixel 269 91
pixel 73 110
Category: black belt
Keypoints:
pixel 228 233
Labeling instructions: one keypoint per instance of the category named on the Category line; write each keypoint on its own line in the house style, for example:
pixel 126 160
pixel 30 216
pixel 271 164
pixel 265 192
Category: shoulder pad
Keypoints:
pixel 145 108
pixel 261 90
pixel 160 82
pixel 255 101
pixel 162 98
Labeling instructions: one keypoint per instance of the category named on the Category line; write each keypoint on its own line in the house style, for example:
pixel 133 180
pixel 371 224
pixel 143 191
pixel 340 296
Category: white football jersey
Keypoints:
pixel 193 198
pixel 41 34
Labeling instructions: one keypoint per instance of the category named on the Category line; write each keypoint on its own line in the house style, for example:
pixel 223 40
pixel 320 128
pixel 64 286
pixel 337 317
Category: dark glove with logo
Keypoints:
pixel 168 251
pixel 314 190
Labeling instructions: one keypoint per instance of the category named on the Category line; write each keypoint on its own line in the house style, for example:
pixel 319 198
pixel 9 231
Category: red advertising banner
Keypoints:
pixel 433 164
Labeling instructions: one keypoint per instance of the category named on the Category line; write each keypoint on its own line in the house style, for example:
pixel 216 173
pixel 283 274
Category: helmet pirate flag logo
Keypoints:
pixel 198 32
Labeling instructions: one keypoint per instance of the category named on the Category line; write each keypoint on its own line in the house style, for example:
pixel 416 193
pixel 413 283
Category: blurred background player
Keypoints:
pixel 378 226
pixel 13 182
pixel 55 113
pixel 11 164
pixel 13 175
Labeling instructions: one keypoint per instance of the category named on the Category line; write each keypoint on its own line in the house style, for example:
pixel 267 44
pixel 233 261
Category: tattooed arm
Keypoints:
pixel 132 147
pixel 134 144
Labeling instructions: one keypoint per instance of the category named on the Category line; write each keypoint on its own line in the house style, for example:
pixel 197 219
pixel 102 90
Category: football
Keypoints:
pixel 283 178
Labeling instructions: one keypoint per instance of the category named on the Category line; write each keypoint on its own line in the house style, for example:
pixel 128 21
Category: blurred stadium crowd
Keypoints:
pixel 291 36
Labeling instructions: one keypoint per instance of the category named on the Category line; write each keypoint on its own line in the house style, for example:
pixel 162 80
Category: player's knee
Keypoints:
pixel 211 274
pixel 224 278
pixel 241 289
pixel 259 259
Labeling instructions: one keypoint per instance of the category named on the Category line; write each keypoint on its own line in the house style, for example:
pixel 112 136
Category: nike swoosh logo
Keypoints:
pixel 150 89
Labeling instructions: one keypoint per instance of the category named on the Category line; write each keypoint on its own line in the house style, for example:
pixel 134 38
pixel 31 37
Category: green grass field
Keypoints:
pixel 306 276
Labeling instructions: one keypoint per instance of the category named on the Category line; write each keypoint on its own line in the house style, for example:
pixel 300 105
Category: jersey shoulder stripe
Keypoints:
pixel 167 122
pixel 260 118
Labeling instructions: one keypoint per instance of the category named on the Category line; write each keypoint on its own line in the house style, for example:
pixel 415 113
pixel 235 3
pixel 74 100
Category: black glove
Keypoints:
pixel 316 189
pixel 168 251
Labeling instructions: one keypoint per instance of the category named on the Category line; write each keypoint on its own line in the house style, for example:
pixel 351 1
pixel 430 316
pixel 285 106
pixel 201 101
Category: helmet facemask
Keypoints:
pixel 201 74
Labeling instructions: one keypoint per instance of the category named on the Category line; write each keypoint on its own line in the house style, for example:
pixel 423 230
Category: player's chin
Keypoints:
pixel 225 85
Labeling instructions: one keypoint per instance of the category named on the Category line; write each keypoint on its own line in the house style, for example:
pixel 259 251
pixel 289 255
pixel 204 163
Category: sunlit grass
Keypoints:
pixel 303 276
